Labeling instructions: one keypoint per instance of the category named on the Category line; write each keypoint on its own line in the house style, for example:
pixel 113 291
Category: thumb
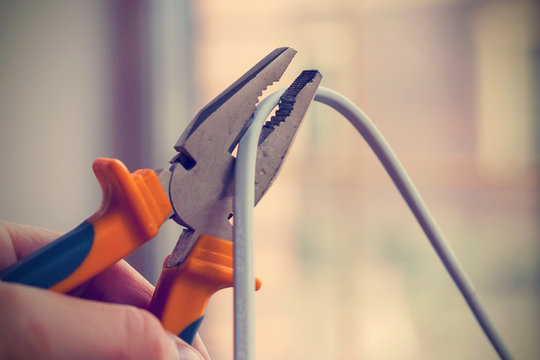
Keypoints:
pixel 46 325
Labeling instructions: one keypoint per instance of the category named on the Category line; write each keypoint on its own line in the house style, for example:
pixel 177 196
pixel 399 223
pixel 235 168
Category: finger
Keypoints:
pixel 7 255
pixel 46 325
pixel 120 284
pixel 201 348
pixel 186 350
pixel 18 240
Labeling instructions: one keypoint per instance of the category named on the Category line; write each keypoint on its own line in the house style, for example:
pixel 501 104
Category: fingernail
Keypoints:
pixel 185 351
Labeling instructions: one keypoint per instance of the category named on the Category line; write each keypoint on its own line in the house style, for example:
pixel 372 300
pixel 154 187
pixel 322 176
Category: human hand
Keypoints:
pixel 105 318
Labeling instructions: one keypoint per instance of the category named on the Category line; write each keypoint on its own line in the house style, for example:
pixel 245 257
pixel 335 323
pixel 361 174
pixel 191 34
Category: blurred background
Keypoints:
pixel 347 273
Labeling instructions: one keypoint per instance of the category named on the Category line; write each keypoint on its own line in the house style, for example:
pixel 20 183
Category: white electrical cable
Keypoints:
pixel 244 275
pixel 244 199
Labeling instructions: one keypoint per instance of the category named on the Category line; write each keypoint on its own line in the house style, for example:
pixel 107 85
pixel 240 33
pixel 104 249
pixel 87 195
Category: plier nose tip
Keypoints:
pixel 232 108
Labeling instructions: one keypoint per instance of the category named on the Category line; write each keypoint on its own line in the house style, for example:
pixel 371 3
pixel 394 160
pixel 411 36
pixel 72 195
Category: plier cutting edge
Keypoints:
pixel 196 190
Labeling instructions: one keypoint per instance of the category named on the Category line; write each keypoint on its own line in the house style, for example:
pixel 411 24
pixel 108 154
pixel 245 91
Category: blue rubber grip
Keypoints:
pixel 188 335
pixel 55 261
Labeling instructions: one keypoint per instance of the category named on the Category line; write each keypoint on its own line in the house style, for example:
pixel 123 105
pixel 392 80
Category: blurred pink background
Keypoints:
pixel 347 273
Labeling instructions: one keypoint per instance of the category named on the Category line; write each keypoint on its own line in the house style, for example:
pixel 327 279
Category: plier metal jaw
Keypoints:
pixel 201 186
pixel 196 190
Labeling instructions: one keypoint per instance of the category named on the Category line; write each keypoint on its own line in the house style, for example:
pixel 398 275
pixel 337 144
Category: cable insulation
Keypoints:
pixel 244 275
pixel 244 199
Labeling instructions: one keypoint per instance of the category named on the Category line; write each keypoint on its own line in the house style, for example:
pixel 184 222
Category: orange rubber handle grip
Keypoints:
pixel 133 208
pixel 183 291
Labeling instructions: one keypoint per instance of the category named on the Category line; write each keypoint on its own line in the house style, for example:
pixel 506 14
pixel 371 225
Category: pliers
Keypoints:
pixel 196 190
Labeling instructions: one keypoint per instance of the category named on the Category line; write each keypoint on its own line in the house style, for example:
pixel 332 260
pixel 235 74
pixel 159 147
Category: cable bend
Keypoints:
pixel 243 215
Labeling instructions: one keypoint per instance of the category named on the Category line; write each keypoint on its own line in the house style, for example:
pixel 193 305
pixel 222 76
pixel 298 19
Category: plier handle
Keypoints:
pixel 133 208
pixel 195 190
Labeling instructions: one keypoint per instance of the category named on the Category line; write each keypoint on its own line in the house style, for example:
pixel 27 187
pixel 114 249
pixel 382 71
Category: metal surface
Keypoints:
pixel 202 173
pixel 238 99
pixel 278 133
pixel 211 192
